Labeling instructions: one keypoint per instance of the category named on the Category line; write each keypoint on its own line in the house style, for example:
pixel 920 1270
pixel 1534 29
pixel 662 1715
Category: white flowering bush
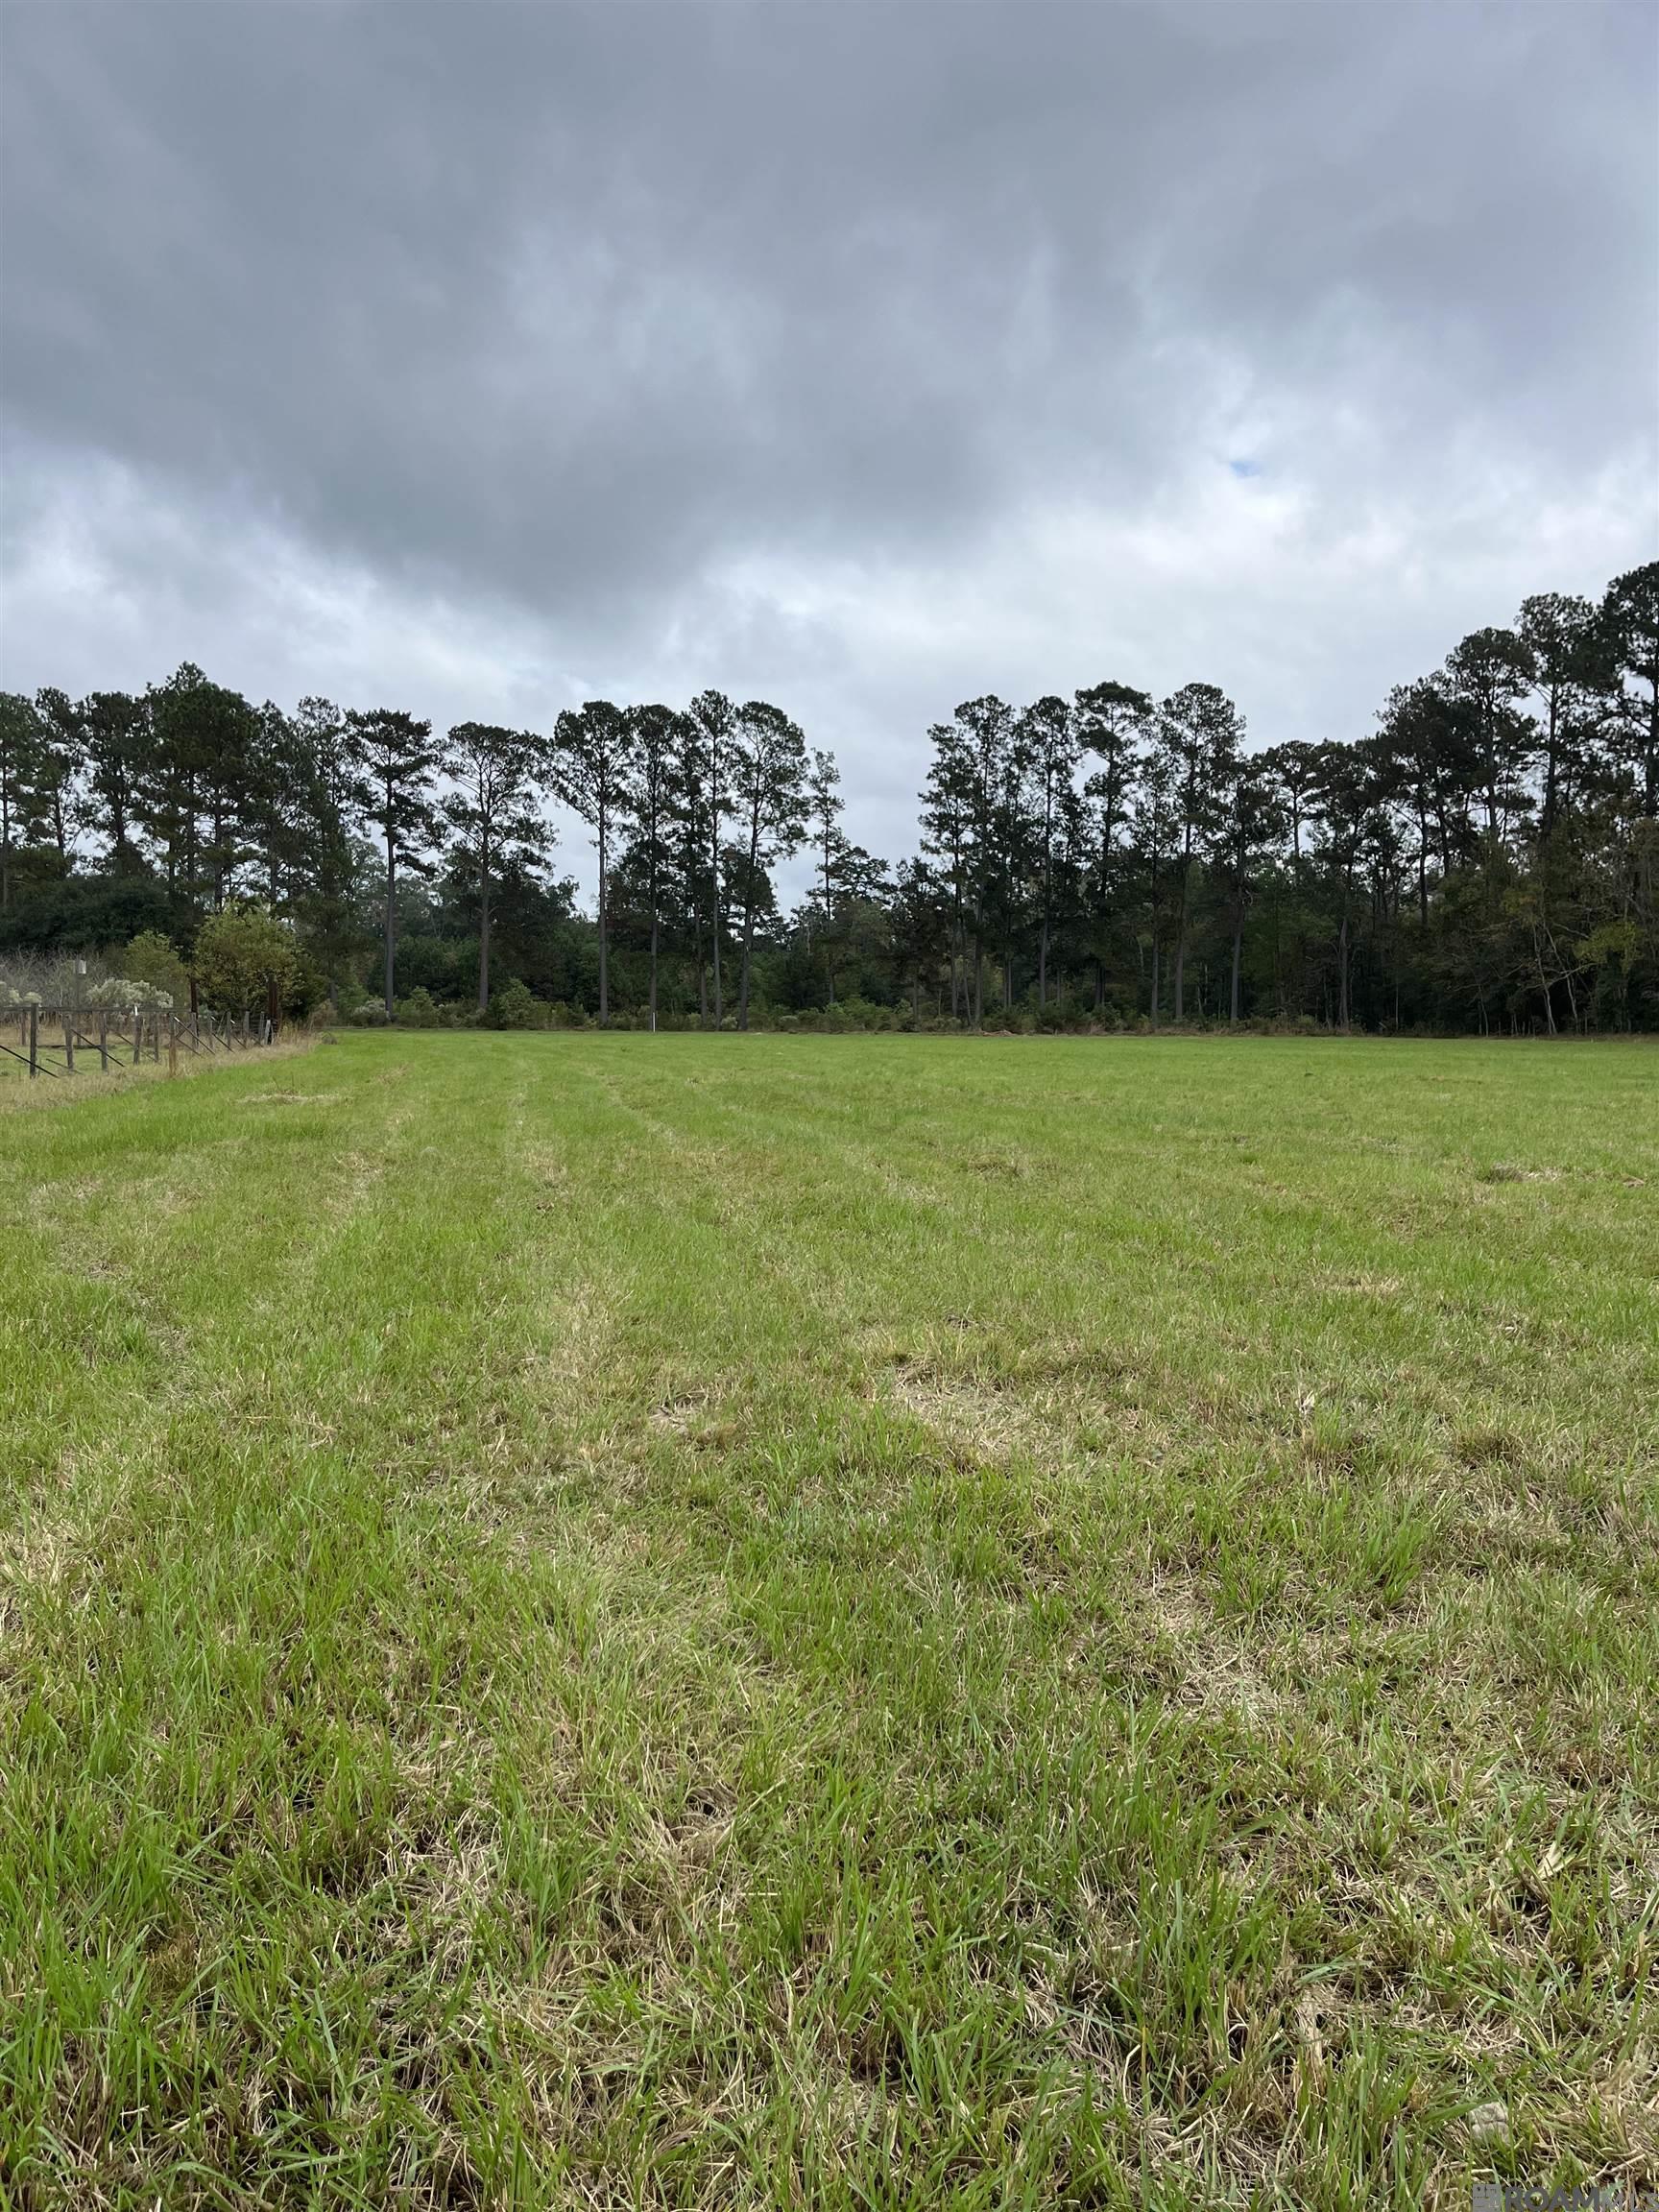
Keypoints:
pixel 124 990
pixel 156 980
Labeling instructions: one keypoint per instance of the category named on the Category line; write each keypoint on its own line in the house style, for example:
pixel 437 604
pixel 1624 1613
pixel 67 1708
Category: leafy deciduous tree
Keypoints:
pixel 245 958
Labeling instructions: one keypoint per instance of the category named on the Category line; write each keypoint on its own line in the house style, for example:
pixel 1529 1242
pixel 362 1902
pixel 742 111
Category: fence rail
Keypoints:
pixel 55 1041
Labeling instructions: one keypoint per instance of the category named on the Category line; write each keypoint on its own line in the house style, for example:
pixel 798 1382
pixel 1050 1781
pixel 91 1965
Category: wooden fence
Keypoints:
pixel 57 1041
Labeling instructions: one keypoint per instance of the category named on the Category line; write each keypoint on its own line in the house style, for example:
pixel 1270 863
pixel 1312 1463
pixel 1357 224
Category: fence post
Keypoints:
pixel 172 1043
pixel 34 1041
pixel 68 1042
pixel 156 1040
pixel 104 1042
pixel 137 1036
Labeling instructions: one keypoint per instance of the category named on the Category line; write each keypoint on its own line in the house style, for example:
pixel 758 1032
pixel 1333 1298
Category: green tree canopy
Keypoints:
pixel 246 959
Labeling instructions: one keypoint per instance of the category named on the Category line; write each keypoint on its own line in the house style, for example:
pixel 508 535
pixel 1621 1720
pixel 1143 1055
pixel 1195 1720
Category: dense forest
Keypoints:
pixel 1486 858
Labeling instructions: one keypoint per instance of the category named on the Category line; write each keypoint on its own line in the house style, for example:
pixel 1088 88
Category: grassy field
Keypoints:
pixel 612 1621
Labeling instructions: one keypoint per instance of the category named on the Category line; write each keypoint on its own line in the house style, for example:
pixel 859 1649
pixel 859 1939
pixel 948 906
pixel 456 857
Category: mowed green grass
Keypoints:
pixel 624 1620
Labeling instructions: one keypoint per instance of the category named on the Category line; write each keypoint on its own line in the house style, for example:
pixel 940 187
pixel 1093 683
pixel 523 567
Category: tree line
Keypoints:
pixel 1487 856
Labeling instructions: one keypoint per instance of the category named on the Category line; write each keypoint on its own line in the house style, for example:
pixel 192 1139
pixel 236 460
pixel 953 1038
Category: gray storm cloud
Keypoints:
pixel 477 357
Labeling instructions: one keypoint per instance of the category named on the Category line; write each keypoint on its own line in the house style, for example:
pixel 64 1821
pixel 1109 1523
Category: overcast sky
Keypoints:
pixel 477 359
